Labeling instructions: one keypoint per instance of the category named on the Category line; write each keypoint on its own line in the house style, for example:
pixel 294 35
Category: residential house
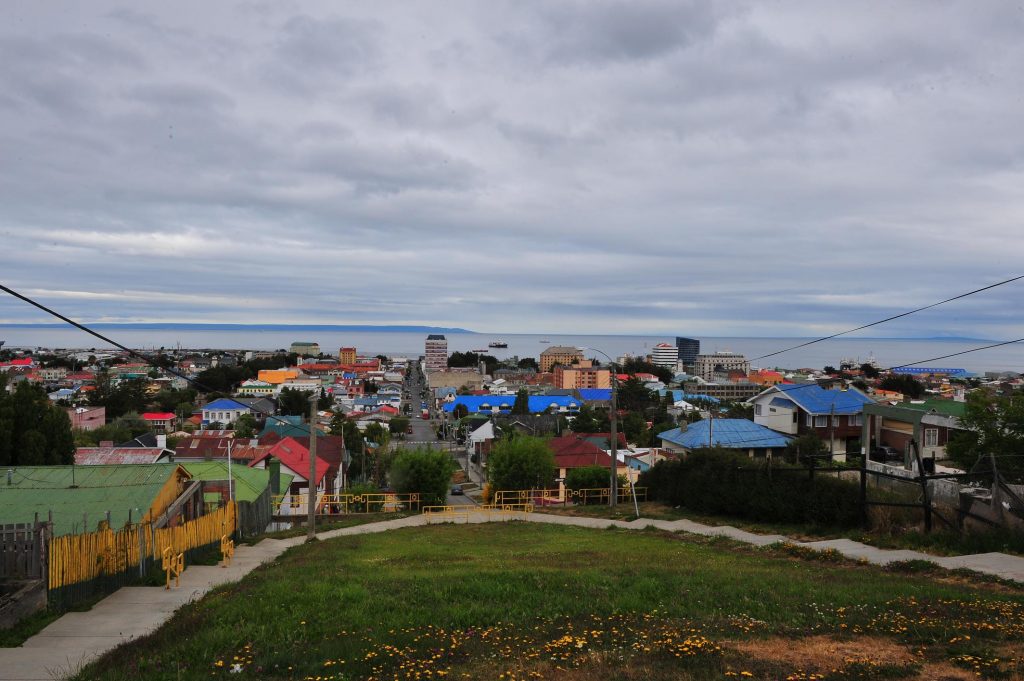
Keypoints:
pixel 742 435
pixel 295 460
pixel 572 451
pixel 87 418
pixel 162 422
pixel 930 423
pixel 836 416
pixel 227 410
pixel 256 388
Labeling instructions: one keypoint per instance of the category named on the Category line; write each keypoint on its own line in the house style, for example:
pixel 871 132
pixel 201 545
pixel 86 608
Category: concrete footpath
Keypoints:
pixel 62 648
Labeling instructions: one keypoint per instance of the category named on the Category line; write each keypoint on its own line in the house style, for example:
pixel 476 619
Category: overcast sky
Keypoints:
pixel 722 168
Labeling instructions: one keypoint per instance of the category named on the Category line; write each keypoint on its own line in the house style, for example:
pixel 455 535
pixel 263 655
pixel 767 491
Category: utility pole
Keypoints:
pixel 311 501
pixel 711 425
pixel 231 487
pixel 831 429
pixel 613 489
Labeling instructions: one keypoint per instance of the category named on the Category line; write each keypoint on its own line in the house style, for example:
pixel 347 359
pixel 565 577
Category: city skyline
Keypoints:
pixel 610 167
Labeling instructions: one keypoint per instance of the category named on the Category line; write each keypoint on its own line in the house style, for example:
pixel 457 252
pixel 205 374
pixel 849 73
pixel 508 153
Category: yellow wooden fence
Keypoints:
pixel 76 558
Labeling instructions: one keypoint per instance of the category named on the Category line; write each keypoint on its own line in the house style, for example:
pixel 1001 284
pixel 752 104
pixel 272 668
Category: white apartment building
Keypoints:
pixel 665 355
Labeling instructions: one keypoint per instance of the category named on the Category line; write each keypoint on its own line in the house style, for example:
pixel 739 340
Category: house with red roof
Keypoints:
pixel 294 457
pixel 578 451
pixel 24 363
pixel 162 422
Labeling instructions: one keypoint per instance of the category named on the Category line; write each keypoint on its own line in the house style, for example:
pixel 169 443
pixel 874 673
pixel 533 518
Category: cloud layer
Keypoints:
pixel 633 167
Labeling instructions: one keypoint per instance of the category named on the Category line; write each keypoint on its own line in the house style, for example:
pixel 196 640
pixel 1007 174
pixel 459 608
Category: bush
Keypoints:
pixel 427 472
pixel 721 482
pixel 521 463
pixel 587 477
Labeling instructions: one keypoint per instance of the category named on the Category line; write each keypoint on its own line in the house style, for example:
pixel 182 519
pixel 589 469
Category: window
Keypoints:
pixel 757 410
pixel 835 421
pixel 931 437
pixel 820 421
pixel 855 419
pixel 810 420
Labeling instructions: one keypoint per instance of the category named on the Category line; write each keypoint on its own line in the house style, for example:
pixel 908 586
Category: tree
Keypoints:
pixel 293 402
pixel 584 421
pixel 903 383
pixel 460 411
pixel 422 471
pixel 325 402
pixel 993 427
pixel 636 365
pixel 522 462
pixel 528 363
pixel 120 397
pixel 522 403
pixel 33 432
pixel 633 396
pixel 805 449
pixel 398 425
pixel 245 426
pixel 634 427
pixel 869 371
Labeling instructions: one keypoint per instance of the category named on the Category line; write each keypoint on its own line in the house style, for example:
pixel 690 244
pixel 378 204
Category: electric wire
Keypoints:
pixel 897 316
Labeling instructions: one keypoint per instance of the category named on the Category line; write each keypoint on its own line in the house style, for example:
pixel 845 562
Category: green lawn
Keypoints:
pixel 519 601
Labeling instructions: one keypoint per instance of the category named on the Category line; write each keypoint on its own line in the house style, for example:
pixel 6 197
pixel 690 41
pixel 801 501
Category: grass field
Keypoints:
pixel 522 601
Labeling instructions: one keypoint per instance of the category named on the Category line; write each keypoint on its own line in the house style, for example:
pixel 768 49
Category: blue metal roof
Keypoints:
pixel 595 394
pixel 814 399
pixel 487 403
pixel 679 395
pixel 930 370
pixel 226 403
pixel 730 433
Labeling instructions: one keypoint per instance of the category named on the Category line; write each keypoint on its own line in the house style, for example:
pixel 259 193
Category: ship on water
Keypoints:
pixel 497 344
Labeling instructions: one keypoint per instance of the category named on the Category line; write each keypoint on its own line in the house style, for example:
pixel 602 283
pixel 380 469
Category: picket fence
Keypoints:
pixel 82 566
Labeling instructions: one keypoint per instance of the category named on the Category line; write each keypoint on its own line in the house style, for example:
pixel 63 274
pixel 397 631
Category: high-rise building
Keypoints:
pixel 707 366
pixel 582 376
pixel 559 354
pixel 689 348
pixel 347 356
pixel 665 355
pixel 436 353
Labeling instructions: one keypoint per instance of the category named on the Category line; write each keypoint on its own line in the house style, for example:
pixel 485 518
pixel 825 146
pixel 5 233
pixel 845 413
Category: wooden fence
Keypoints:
pixel 23 550
pixel 82 566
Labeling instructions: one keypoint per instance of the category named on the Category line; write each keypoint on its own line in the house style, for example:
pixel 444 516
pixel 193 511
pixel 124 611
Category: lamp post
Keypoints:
pixel 613 492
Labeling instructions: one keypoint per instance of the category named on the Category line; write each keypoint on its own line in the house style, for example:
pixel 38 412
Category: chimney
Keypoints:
pixel 161 441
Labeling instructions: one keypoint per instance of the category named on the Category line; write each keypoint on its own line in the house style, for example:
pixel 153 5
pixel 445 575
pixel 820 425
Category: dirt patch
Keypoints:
pixel 823 652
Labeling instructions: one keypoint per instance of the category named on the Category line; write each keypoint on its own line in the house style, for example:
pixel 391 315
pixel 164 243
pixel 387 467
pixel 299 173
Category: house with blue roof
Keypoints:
pixel 740 434
pixel 835 415
pixel 226 410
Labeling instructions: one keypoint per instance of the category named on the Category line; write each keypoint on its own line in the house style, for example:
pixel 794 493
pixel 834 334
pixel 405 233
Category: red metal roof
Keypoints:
pixel 158 416
pixel 295 457
pixel 572 452
pixel 98 456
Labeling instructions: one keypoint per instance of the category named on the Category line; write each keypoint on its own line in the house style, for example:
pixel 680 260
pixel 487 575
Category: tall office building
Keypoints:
pixel 689 348
pixel 665 355
pixel 436 353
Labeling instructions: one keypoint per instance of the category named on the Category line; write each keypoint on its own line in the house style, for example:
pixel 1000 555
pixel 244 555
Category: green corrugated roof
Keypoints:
pixel 249 482
pixel 944 407
pixel 96 490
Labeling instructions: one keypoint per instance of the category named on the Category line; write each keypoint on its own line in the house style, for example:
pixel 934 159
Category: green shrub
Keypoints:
pixel 722 482
pixel 521 462
pixel 587 477
pixel 427 472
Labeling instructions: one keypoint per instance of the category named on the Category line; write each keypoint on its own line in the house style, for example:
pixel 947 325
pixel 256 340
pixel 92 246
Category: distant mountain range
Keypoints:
pixel 254 327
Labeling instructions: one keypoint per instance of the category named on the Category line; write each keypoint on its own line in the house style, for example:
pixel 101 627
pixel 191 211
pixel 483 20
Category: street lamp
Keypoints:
pixel 613 492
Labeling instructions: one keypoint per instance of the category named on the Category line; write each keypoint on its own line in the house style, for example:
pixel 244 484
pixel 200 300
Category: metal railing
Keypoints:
pixel 467 511
pixel 567 497
pixel 344 504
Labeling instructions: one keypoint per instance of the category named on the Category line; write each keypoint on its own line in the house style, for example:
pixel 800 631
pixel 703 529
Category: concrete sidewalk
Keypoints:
pixel 62 648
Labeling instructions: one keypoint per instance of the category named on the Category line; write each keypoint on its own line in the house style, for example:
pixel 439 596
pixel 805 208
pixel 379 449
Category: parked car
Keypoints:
pixel 456 490
pixel 884 453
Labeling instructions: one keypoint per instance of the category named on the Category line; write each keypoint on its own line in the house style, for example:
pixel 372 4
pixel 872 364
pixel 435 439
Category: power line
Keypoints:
pixel 889 319
pixel 955 354
pixel 144 358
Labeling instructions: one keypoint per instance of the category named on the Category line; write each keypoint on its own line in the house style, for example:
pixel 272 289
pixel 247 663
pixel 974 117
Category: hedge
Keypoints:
pixel 721 482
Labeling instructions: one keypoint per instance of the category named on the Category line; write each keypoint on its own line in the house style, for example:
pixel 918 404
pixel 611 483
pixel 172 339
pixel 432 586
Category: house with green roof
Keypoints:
pixel 78 498
pixel 928 422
